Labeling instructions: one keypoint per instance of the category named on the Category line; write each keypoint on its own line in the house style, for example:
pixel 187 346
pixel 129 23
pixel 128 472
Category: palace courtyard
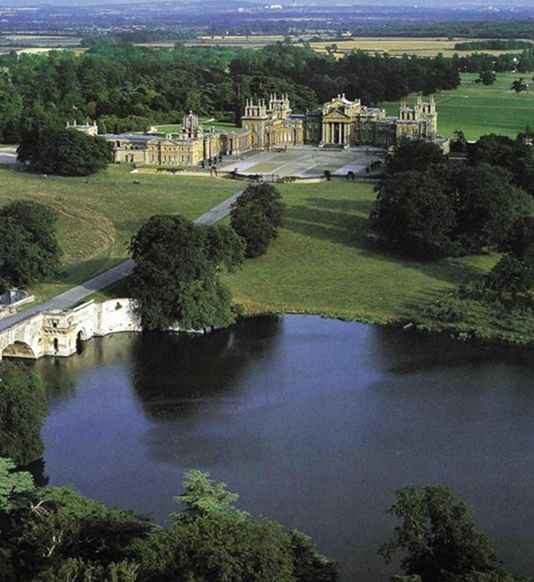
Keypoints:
pixel 305 162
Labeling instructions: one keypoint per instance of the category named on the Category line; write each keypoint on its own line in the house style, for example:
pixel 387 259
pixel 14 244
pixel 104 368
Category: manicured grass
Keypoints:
pixel 479 110
pixel 98 215
pixel 206 123
pixel 322 262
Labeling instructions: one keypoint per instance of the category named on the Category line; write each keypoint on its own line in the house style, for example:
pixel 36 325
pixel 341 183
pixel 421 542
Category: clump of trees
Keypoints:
pixel 427 208
pixel 29 251
pixel 176 281
pixel 256 216
pixel 54 534
pixel 439 540
pixel 124 87
pixel 22 412
pixel 65 152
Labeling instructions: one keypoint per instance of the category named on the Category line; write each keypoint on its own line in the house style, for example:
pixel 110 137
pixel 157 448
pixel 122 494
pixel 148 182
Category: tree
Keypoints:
pixel 256 216
pixel 437 536
pixel 212 540
pixel 413 214
pixel 416 155
pixel 511 274
pixel 488 205
pixel 202 496
pixel 519 85
pixel 22 412
pixel 176 278
pixel 487 77
pixel 13 484
pixel 29 250
pixel 66 152
pixel 520 239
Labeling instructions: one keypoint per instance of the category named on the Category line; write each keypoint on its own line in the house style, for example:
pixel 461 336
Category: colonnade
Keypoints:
pixel 336 133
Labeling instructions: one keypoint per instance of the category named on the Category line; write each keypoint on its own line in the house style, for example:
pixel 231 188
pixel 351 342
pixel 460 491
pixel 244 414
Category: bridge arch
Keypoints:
pixel 81 338
pixel 19 350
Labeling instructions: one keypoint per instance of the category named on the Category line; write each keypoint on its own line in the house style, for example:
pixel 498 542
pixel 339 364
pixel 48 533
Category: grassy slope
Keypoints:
pixel 98 215
pixel 322 262
pixel 479 110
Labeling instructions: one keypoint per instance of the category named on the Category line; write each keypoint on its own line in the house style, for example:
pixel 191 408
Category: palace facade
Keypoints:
pixel 338 123
pixel 271 124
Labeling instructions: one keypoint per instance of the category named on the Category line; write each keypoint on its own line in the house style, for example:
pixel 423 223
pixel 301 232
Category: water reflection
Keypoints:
pixel 174 375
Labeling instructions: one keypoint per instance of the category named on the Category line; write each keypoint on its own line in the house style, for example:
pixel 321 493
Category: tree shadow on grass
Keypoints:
pixel 360 206
pixel 329 225
pixel 335 221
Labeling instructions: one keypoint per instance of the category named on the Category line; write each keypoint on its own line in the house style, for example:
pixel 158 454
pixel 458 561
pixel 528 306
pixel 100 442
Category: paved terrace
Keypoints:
pixel 110 277
pixel 306 162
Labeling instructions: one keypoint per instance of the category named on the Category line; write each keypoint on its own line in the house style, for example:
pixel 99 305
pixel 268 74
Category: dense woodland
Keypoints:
pixel 125 87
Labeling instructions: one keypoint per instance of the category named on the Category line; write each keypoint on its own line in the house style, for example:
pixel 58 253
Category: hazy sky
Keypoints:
pixel 428 3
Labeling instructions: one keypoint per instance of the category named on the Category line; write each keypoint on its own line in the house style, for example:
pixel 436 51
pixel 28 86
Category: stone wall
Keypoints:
pixel 58 333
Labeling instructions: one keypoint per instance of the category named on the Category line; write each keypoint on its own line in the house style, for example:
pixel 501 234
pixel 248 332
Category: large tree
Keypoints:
pixel 176 279
pixel 212 540
pixel 413 215
pixel 437 536
pixel 66 152
pixel 22 412
pixel 488 204
pixel 29 250
pixel 417 155
pixel 256 216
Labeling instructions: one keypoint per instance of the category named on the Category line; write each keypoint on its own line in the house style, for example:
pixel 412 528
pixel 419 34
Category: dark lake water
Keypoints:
pixel 314 422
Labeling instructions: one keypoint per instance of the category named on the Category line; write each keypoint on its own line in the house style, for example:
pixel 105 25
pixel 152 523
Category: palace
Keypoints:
pixel 340 123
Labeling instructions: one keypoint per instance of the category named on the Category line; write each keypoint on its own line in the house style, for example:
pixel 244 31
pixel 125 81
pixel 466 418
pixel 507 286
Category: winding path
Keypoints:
pixel 121 271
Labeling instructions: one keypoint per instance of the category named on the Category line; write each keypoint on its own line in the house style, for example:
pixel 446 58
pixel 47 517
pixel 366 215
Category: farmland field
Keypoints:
pixel 397 46
pixel 479 110
pixel 394 46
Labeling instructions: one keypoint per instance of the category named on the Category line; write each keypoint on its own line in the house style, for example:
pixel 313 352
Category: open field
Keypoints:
pixel 479 110
pixel 322 262
pixel 397 46
pixel 394 46
pixel 98 215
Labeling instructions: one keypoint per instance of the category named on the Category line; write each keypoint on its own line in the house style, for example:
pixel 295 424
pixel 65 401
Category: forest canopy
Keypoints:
pixel 121 85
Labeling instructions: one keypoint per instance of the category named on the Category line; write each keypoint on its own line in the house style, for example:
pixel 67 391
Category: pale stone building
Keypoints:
pixel 88 128
pixel 192 147
pixel 272 125
pixel 345 123
pixel 340 123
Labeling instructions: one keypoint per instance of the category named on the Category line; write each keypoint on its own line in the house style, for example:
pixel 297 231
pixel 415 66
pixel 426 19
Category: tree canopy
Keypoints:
pixel 29 250
pixel 437 536
pixel 66 152
pixel 176 278
pixel 256 216
pixel 22 412
pixel 59 535
pixel 438 209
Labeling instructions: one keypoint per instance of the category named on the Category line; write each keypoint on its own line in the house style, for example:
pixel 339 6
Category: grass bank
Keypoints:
pixel 479 110
pixel 98 215
pixel 322 263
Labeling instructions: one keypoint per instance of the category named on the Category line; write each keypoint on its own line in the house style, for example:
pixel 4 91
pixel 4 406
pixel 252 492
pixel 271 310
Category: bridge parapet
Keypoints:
pixel 58 333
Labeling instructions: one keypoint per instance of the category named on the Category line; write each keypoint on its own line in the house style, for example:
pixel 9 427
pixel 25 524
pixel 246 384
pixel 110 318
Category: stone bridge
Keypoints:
pixel 59 333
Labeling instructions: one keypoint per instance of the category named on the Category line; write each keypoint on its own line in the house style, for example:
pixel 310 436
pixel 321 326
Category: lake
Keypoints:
pixel 314 422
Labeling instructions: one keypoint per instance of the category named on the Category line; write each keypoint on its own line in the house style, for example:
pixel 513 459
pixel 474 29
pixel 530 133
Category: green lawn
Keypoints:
pixel 218 125
pixel 98 215
pixel 323 263
pixel 479 110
